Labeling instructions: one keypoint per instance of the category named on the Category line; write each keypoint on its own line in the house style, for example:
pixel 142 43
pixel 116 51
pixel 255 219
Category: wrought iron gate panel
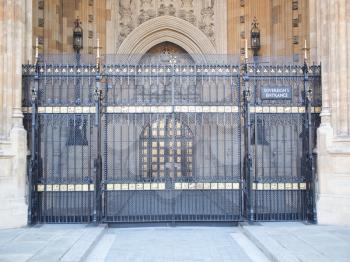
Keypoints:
pixel 282 180
pixel 151 143
pixel 167 132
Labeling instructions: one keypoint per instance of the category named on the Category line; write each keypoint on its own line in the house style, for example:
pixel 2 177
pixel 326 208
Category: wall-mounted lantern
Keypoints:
pixel 77 36
pixel 255 37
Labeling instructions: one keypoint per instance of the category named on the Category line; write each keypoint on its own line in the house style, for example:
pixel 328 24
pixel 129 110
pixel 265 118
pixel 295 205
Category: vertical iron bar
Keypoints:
pixel 311 209
pixel 248 154
pixel 98 160
pixel 33 161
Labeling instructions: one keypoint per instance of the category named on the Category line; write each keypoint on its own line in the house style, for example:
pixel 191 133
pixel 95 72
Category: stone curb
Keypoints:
pixel 271 249
pixel 86 243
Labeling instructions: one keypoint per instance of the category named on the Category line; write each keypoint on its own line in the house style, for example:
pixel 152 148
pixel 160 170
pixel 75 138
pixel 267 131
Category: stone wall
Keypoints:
pixel 226 23
pixel 15 30
pixel 330 25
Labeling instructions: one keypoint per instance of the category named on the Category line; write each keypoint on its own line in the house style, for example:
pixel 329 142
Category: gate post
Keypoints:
pixel 33 165
pixel 247 145
pixel 311 203
pixel 98 160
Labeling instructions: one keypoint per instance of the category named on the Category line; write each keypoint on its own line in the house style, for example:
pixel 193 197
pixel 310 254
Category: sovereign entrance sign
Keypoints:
pixel 276 93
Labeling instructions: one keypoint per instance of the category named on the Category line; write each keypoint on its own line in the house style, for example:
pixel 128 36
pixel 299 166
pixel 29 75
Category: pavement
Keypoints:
pixel 260 242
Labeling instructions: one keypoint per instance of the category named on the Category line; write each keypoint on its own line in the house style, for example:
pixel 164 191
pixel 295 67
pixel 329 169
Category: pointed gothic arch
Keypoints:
pixel 167 29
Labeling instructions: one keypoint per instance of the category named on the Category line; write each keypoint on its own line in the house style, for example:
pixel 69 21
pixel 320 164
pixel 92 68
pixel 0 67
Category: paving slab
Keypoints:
pixel 300 242
pixel 170 244
pixel 48 242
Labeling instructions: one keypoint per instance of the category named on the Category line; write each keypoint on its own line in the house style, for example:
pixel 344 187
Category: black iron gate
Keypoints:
pixel 149 143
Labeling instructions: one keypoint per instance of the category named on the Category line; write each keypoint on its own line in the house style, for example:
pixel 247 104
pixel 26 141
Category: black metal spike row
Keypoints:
pixel 167 143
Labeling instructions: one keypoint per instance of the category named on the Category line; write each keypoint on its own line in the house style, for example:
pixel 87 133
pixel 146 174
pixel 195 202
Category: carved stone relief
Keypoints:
pixel 207 19
pixel 147 11
pixel 126 22
pixel 199 13
pixel 186 11
pixel 167 8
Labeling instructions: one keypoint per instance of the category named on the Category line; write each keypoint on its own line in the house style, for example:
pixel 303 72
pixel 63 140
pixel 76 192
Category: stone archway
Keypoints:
pixel 167 29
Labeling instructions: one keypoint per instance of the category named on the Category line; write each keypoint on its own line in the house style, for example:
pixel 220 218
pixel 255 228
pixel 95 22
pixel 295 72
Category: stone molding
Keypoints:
pixel 166 28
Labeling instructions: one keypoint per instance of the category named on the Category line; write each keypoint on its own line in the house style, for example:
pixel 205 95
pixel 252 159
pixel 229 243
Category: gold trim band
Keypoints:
pixel 169 109
pixel 162 186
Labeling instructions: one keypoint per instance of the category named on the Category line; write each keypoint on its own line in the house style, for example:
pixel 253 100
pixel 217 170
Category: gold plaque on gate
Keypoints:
pixel 235 186
pixel 125 187
pixel 178 186
pixel 132 109
pixel 280 186
pixel 301 109
pixel 288 186
pixel 117 187
pixel 206 186
pixel 254 186
pixel 280 109
pixel 221 186
pixel 228 109
pixel 85 187
pixel 258 109
pixel 110 187
pixel 191 109
pixel 295 109
pixel 70 187
pixel 199 109
pixel 213 109
pixel 40 188
pixel 267 186
pixel 78 109
pixel 78 187
pixel 192 186
pixel 154 186
pixel 206 109
pixel 56 110
pixel 48 187
pixel 92 187
pixel 184 186
pixel 214 186
pixel 48 110
pixel 139 186
pixel 228 186
pixel 63 187
pixel 273 109
pixel 70 110
pixel 260 186
pixel 56 187
pixel 64 110
pixel 235 109
pixel 147 186
pixel 200 186
pixel 266 109
pixel 295 186
pixel 86 110
pixel 132 186
pixel 41 109
pixel 274 186
pixel 221 109
pixel 302 186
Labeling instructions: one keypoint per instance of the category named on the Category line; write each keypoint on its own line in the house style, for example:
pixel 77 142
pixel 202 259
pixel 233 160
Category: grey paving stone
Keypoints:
pixel 300 242
pixel 202 244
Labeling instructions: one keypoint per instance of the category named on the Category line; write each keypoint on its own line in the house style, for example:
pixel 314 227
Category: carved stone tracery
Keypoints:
pixel 144 10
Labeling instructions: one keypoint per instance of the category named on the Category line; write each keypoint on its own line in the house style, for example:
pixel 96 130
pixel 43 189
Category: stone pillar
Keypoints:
pixel 330 27
pixel 14 20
